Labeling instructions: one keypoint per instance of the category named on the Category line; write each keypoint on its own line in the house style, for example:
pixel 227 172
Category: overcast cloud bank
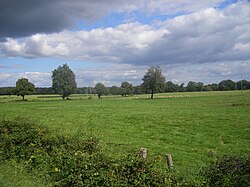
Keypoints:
pixel 216 41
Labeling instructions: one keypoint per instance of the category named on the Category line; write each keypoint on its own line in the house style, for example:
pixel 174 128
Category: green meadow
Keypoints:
pixel 194 127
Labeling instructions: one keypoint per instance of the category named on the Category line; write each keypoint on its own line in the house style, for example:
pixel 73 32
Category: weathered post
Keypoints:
pixel 169 161
pixel 143 153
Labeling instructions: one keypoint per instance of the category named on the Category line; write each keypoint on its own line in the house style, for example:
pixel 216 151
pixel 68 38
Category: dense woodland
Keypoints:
pixel 128 89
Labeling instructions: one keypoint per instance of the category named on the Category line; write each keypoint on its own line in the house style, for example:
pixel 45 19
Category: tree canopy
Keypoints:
pixel 24 87
pixel 227 85
pixel 63 81
pixel 100 89
pixel 126 88
pixel 153 80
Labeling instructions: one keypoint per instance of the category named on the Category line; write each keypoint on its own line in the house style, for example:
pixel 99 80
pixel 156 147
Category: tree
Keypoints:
pixel 127 88
pixel 7 91
pixel 24 87
pixel 137 89
pixel 227 85
pixel 63 81
pixel 114 90
pixel 182 88
pixel 199 86
pixel 191 86
pixel 171 87
pixel 214 87
pixel 100 89
pixel 243 85
pixel 153 80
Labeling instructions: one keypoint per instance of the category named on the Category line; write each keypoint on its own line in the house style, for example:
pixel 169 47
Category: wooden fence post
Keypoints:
pixel 169 161
pixel 143 153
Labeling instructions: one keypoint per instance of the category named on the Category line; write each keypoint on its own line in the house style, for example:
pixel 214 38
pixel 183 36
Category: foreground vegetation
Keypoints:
pixel 195 128
pixel 69 161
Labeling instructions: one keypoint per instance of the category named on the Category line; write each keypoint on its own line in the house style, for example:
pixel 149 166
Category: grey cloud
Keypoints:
pixel 19 18
pixel 26 17
pixel 208 72
pixel 206 36
pixel 113 75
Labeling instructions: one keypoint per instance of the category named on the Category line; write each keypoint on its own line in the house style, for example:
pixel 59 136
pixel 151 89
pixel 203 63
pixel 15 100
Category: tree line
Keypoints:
pixel 63 83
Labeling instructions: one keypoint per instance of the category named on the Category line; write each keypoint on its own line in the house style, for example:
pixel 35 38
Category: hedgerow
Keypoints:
pixel 228 171
pixel 68 161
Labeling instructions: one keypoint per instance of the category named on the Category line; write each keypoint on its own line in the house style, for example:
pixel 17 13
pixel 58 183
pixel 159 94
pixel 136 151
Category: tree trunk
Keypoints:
pixel 152 94
pixel 23 97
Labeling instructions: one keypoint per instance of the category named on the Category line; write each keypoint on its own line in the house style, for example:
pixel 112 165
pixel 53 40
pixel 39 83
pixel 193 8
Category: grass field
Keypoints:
pixel 193 127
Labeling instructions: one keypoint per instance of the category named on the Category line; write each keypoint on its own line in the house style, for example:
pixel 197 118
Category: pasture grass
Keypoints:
pixel 193 127
pixel 14 174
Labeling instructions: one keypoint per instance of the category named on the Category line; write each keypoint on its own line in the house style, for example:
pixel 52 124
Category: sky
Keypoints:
pixel 113 41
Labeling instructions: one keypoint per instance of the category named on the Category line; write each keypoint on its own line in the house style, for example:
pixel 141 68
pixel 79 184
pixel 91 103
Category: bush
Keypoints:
pixel 68 161
pixel 228 171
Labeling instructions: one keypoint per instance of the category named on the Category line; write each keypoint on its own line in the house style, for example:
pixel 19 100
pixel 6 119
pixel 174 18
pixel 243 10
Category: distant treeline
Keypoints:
pixel 192 86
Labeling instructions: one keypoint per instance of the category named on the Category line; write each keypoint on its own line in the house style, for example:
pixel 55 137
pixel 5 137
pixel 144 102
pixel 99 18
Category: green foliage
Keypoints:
pixel 194 86
pixel 228 171
pixel 153 80
pixel 63 81
pixel 114 90
pixel 226 85
pixel 126 88
pixel 68 161
pixel 100 89
pixel 7 90
pixel 24 87
pixel 171 87
pixel 188 125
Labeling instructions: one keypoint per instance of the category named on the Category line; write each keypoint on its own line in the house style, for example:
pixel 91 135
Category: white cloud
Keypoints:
pixel 39 79
pixel 209 35
pixel 29 17
pixel 110 75
pixel 99 45
pixel 207 45
pixel 113 75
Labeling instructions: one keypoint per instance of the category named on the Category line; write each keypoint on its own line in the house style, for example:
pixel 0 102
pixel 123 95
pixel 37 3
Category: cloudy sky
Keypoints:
pixel 117 40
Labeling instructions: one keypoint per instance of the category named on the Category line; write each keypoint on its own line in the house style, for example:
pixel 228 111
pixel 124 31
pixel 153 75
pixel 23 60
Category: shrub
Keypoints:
pixel 68 161
pixel 228 171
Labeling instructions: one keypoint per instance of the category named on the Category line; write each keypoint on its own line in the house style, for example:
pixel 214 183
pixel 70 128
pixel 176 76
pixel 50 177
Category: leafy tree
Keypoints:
pixel 127 88
pixel 114 90
pixel 100 89
pixel 191 86
pixel 199 86
pixel 63 81
pixel 194 86
pixel 171 87
pixel 243 85
pixel 24 87
pixel 227 85
pixel 214 87
pixel 153 80
pixel 46 91
pixel 137 89
pixel 207 88
pixel 182 88
pixel 7 91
